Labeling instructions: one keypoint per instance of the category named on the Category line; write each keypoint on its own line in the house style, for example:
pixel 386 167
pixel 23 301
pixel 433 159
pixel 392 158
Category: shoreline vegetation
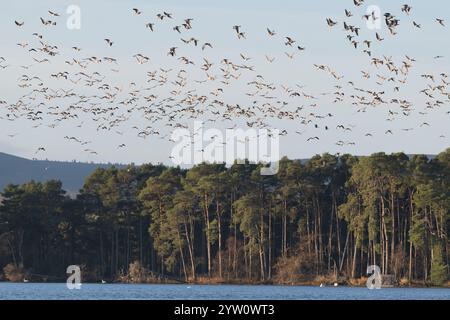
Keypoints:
pixel 319 281
pixel 322 221
pixel 138 275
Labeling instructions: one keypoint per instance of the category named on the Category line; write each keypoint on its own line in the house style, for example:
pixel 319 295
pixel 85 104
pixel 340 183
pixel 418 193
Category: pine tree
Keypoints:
pixel 438 268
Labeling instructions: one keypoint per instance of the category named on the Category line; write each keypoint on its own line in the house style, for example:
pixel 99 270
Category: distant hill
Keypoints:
pixel 18 170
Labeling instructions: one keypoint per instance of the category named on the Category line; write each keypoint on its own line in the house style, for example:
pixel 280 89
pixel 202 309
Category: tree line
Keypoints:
pixel 330 215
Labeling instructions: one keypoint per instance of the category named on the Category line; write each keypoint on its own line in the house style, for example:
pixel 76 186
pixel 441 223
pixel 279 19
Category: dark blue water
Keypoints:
pixel 56 291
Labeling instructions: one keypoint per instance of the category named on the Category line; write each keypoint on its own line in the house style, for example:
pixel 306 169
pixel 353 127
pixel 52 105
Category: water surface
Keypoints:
pixel 59 291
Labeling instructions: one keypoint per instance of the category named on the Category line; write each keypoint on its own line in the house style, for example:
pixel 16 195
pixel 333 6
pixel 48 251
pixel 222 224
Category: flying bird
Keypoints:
pixel 53 13
pixel 109 42
pixel 331 23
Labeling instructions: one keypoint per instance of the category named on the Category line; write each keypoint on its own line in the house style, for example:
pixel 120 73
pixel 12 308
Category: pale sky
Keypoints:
pixel 300 19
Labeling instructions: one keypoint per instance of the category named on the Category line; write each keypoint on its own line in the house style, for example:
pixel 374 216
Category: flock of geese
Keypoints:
pixel 197 87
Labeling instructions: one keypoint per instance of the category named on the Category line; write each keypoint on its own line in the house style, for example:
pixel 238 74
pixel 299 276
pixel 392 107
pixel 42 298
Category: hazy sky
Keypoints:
pixel 303 20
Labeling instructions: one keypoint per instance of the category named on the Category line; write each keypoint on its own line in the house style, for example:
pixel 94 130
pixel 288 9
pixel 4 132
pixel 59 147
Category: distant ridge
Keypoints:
pixel 19 170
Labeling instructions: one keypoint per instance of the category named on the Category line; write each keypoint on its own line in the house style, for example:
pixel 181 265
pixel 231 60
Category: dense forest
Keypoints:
pixel 328 216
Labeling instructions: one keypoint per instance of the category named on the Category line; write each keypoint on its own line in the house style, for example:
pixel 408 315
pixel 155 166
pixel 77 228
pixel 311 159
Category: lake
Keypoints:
pixel 59 291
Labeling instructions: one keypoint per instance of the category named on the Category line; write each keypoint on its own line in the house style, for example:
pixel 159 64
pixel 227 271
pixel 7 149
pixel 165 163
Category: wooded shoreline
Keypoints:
pixel 327 218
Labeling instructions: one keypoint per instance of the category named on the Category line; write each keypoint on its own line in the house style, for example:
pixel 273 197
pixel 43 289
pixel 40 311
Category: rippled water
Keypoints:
pixel 58 291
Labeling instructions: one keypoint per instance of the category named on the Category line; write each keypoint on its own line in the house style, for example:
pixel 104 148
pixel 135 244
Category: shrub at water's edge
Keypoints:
pixel 14 273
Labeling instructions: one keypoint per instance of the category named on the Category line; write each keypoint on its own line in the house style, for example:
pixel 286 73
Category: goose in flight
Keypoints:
pixel 269 59
pixel 271 32
pixel 244 57
pixel 19 24
pixel 48 22
pixel 367 43
pixel 289 55
pixel 206 44
pixel 406 9
pixel 109 42
pixel 441 21
pixel 172 51
pixel 331 23
pixel 289 41
pixel 53 13
pixel 187 23
pixel 379 38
